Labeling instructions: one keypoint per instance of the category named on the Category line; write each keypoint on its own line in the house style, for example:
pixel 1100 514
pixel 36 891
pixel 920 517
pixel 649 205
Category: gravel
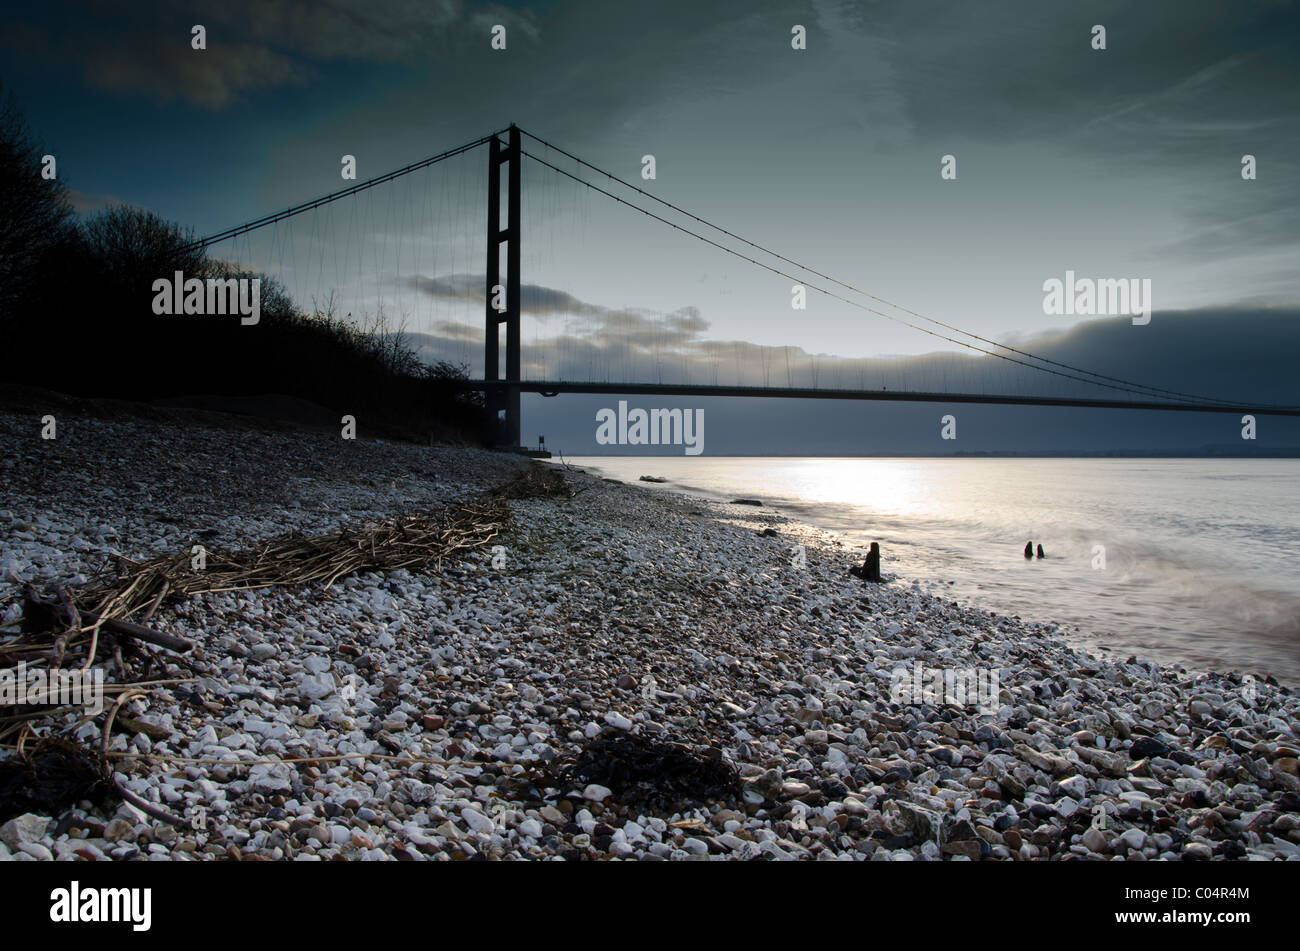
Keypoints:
pixel 420 716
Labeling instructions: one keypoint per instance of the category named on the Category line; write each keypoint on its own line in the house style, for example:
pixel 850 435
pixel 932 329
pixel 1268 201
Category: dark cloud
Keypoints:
pixel 1241 353
pixel 450 330
pixel 831 155
pixel 258 45
pixel 1233 355
pixel 534 299
pixel 632 328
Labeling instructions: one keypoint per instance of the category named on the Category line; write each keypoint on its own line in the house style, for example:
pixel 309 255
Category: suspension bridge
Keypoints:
pixel 623 351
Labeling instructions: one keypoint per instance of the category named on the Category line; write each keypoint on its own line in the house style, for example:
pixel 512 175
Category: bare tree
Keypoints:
pixel 34 211
pixel 133 247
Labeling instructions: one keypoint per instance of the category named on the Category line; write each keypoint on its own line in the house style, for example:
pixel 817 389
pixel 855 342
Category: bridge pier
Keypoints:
pixel 503 398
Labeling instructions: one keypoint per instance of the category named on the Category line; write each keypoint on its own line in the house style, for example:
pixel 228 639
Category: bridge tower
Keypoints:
pixel 507 397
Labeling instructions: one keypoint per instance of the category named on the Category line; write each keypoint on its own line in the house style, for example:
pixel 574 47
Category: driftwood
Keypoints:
pixel 146 634
pixel 41 614
pixel 409 541
pixel 62 628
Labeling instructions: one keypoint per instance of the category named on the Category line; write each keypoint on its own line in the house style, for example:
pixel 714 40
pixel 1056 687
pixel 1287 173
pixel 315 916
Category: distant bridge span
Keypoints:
pixel 502 302
pixel 892 396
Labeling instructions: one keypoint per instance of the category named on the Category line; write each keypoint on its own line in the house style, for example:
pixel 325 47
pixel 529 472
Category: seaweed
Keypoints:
pixel 536 482
pixel 52 776
pixel 653 775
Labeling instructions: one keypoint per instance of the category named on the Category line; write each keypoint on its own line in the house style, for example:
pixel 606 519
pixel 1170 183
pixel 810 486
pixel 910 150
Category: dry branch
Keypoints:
pixel 68 627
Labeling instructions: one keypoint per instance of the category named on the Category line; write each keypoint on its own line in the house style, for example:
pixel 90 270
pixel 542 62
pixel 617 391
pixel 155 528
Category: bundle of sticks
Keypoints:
pixel 61 628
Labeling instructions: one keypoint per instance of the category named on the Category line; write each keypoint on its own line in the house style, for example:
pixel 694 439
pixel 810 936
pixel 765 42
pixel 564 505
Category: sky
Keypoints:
pixel 1115 163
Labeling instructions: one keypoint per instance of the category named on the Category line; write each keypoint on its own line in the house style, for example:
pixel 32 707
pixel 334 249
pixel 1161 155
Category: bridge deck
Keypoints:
pixel 893 396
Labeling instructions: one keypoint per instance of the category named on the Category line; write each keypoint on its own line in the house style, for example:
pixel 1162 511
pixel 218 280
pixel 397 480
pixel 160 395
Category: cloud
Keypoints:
pixel 472 289
pixel 1133 150
pixel 1229 354
pixel 632 327
pixel 450 330
pixel 255 45
pixel 87 204
pixel 168 71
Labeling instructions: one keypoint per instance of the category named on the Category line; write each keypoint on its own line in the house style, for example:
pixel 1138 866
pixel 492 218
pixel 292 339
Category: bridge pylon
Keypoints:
pixel 503 398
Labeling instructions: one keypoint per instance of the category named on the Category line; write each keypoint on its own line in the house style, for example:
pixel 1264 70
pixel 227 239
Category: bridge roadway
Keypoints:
pixel 895 396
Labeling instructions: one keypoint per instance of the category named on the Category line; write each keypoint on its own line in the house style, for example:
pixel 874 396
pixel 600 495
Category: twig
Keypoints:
pixel 146 806
pixel 148 635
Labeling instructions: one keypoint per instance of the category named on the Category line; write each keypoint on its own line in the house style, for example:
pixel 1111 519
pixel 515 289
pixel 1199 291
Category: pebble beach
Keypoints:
pixel 438 715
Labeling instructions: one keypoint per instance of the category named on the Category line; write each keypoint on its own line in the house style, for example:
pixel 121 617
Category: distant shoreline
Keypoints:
pixel 973 454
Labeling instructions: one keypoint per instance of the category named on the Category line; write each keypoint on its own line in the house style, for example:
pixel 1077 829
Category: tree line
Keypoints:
pixel 76 316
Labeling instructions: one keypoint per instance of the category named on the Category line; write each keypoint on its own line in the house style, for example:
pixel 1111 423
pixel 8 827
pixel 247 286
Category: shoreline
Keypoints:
pixel 455 695
pixel 1161 596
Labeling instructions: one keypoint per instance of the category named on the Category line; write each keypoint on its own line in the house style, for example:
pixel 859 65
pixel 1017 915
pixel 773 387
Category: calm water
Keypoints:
pixel 1202 556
